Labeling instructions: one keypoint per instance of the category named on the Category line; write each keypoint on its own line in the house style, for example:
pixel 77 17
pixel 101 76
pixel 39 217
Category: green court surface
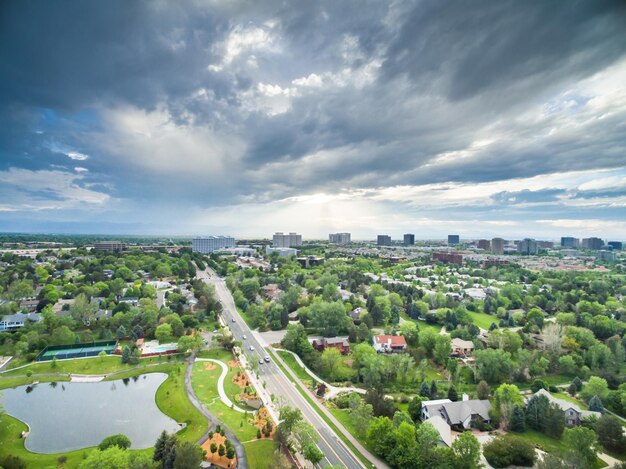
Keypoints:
pixel 75 352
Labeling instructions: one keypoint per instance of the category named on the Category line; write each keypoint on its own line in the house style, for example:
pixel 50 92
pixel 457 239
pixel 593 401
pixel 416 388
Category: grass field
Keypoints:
pixel 483 320
pixel 260 454
pixel 171 398
pixel 90 366
pixel 293 365
pixel 204 382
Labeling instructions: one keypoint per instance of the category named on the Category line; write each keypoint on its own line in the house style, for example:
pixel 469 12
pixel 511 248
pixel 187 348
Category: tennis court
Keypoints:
pixel 61 352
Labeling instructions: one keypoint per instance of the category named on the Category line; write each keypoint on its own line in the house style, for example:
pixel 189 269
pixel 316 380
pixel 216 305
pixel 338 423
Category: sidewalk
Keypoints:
pixel 321 408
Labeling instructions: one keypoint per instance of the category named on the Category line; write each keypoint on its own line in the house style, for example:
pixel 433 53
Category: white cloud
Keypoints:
pixel 80 169
pixel 46 190
pixel 153 141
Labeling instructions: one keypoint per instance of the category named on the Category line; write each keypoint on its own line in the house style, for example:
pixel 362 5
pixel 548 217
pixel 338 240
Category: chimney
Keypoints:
pixel 465 397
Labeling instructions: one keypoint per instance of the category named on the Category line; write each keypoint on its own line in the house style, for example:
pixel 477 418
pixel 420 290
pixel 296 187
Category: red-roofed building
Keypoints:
pixel 340 343
pixel 389 343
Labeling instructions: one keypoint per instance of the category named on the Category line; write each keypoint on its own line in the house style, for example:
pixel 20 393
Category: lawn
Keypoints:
pixel 423 326
pixel 293 365
pixel 549 444
pixel 171 398
pixel 204 382
pixel 483 320
pixel 566 397
pixel 260 453
pixel 91 366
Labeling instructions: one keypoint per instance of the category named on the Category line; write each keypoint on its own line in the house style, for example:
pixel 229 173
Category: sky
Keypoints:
pixel 483 118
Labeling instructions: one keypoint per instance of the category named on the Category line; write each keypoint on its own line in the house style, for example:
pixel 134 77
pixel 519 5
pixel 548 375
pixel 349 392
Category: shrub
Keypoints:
pixel 122 441
pixel 258 433
pixel 506 451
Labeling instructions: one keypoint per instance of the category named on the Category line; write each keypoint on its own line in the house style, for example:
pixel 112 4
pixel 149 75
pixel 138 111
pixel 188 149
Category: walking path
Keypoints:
pixel 322 408
pixel 212 419
pixel 332 390
pixel 220 384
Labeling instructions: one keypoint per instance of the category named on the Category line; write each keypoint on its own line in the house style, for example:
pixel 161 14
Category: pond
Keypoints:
pixel 68 416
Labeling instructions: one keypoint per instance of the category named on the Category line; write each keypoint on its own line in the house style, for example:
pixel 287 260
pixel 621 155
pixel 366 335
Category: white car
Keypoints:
pixel 252 348
pixel 244 337
pixel 260 361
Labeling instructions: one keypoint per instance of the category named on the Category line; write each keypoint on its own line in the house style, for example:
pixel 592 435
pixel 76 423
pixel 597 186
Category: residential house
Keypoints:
pixel 355 314
pixel 389 343
pixel 131 300
pixel 340 343
pixel 12 322
pixel 442 427
pixel 573 414
pixel 62 304
pixel 461 348
pixel 272 291
pixel 462 413
pixel 29 304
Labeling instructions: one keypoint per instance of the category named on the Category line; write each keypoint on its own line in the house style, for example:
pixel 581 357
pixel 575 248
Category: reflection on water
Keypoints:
pixel 78 415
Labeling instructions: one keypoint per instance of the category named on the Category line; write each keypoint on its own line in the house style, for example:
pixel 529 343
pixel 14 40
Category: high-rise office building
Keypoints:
pixel 593 244
pixel 454 239
pixel 497 246
pixel 484 244
pixel 569 242
pixel 615 245
pixel 339 238
pixel 528 247
pixel 280 240
pixel 383 240
pixel 207 245
pixel 409 238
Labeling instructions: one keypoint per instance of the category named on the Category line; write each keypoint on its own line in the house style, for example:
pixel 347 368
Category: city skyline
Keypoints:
pixel 191 119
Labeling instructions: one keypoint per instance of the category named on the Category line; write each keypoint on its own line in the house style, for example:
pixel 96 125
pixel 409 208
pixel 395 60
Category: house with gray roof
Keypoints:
pixel 12 322
pixel 463 413
pixel 573 414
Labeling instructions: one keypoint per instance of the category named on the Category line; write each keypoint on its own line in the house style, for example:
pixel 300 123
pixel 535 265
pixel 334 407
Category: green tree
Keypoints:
pixel 466 450
pixel 508 450
pixel 331 361
pixel 119 440
pixel 188 455
pixel 452 394
pixel 483 390
pixel 610 433
pixel 381 436
pixel 415 408
pixel 312 453
pixel 596 386
pixel 494 366
pixel 163 333
pixel 442 349
pixel 115 457
pixel 595 404
pixel 518 423
pixel 582 440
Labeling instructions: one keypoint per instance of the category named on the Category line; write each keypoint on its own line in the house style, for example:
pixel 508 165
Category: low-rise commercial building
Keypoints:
pixel 448 257
pixel 209 244
pixel 108 246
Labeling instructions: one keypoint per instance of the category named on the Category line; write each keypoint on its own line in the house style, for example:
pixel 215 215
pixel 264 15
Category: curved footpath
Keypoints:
pixel 212 419
pixel 220 384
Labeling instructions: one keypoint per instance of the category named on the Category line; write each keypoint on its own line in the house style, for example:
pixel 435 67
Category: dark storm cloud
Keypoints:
pixel 404 91
pixel 507 46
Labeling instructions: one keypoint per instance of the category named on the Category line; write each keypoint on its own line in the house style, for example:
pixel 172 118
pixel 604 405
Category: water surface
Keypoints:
pixel 67 416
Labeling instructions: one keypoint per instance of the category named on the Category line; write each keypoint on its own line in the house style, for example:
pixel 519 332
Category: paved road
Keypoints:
pixel 335 452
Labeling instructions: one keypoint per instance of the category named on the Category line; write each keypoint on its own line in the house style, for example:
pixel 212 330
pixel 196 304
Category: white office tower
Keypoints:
pixel 207 245
pixel 281 240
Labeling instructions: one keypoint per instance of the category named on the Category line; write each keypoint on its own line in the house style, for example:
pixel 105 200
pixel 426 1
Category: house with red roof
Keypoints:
pixel 389 343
